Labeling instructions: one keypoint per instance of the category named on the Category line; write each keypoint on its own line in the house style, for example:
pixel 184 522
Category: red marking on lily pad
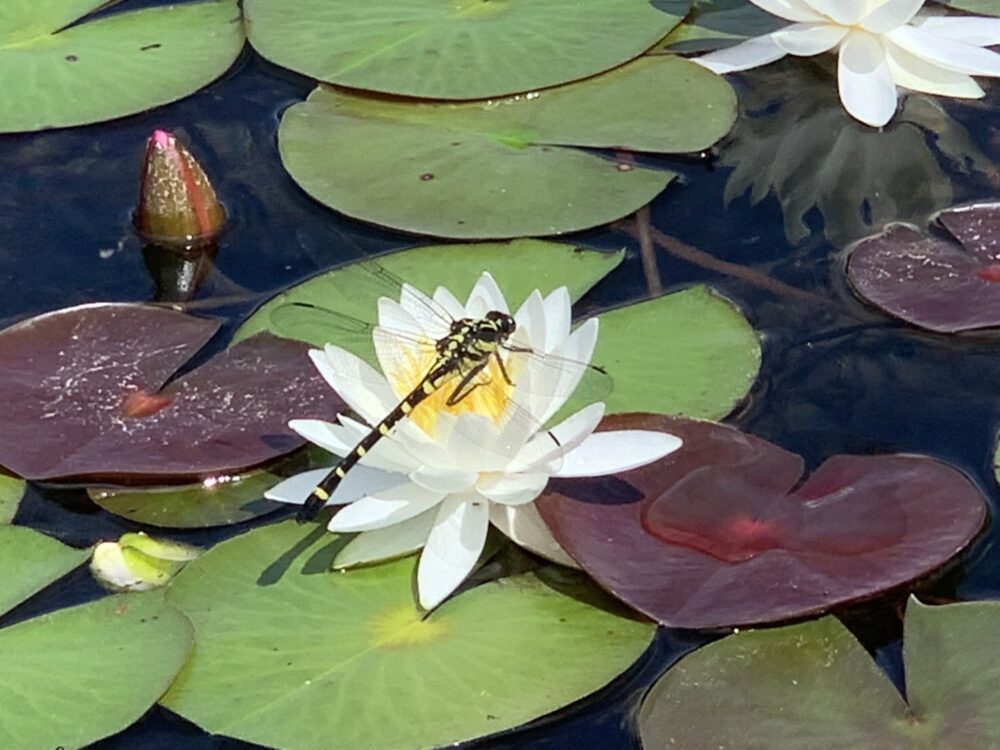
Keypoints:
pixel 942 283
pixel 89 393
pixel 142 404
pixel 725 531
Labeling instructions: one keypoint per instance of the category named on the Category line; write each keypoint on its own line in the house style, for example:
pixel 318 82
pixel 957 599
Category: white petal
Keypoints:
pixel 916 74
pixel 404 361
pixel 355 381
pixel 847 12
pixel 543 450
pixel 615 451
pixel 359 482
pixel 323 434
pixel 790 10
pixel 530 319
pixel 393 541
pixel 432 320
pixel 444 481
pixel 387 507
pixel 866 86
pixel 524 525
pixel 552 384
pixel 807 39
pixel 979 32
pixel 475 444
pixel 558 318
pixel 485 296
pixel 752 53
pixel 452 548
pixel 449 303
pixel 393 316
pixel 962 58
pixel 891 14
pixel 512 489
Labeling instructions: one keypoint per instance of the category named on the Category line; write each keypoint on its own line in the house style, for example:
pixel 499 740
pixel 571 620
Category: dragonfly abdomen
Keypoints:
pixel 318 497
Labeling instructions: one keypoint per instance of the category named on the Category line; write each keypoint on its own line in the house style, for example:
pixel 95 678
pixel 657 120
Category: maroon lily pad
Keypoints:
pixel 725 531
pixel 83 395
pixel 931 280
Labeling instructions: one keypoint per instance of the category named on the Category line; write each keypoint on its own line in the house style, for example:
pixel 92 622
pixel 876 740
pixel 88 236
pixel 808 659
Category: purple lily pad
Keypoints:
pixel 725 531
pixel 933 281
pixel 82 395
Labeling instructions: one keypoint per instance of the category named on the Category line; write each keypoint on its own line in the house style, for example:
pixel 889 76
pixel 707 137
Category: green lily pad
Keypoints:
pixel 344 660
pixel 109 67
pixel 217 501
pixel 31 561
pixel 519 267
pixel 690 353
pixel 985 7
pixel 795 686
pixel 504 168
pixel 713 24
pixel 76 675
pixel 468 49
pixel 11 491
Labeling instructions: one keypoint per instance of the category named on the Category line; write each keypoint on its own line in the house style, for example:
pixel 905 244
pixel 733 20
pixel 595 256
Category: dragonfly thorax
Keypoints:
pixel 476 339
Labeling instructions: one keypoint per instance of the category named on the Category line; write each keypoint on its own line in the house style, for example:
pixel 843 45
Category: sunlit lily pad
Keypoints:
pixel 344 660
pixel 706 358
pixel 519 267
pixel 108 67
pixel 82 395
pixel 215 501
pixel 31 561
pixel 79 674
pixel 689 353
pixel 726 531
pixel 11 491
pixel 461 50
pixel 813 685
pixel 931 280
pixel 504 168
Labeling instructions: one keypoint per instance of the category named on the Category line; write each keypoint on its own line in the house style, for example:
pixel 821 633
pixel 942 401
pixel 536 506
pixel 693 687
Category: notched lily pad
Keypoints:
pixel 727 531
pixel 509 167
pixel 73 73
pixel 338 661
pixel 84 392
pixel 787 687
pixel 945 284
pixel 468 49
pixel 76 675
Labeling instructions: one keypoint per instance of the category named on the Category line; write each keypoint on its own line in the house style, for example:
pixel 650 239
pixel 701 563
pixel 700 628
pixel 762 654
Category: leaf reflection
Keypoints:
pixel 794 140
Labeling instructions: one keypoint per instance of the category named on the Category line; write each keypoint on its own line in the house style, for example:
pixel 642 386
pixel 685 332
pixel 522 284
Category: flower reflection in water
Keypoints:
pixel 795 140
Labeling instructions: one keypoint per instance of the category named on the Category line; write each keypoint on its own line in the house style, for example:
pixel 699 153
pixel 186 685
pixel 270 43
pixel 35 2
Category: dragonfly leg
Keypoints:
pixel 503 368
pixel 465 385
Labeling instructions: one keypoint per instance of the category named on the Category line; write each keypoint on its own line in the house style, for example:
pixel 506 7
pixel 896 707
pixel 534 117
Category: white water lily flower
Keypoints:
pixel 882 44
pixel 448 472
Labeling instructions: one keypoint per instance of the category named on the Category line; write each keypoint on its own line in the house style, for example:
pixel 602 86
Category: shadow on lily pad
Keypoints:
pixel 942 283
pixel 727 531
pixel 84 392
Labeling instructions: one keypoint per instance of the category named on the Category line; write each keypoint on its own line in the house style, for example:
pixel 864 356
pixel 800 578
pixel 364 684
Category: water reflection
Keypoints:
pixel 794 140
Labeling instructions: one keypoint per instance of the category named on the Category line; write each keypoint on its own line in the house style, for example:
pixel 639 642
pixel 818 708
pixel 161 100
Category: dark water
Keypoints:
pixel 837 376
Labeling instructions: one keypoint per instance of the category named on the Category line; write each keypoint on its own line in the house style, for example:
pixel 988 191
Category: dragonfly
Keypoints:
pixel 481 364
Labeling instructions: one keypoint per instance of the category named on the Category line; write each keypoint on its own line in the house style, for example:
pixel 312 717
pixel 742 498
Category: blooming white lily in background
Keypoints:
pixel 882 44
pixel 448 472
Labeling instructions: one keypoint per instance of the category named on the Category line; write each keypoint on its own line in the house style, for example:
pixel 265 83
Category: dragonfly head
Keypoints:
pixel 503 322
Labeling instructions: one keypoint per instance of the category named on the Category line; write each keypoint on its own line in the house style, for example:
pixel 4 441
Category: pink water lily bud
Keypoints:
pixel 177 205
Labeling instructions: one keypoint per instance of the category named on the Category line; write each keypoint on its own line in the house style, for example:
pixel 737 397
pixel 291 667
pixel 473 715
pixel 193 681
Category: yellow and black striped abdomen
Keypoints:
pixel 318 497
